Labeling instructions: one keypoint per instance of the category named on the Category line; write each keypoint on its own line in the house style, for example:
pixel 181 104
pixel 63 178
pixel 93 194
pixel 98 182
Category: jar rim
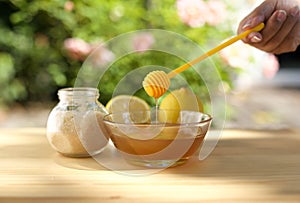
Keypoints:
pixel 78 91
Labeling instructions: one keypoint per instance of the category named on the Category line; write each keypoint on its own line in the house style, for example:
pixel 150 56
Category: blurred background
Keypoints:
pixel 43 44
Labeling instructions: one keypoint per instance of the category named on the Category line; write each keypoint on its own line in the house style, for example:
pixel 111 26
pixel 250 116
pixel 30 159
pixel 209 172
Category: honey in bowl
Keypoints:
pixel 157 144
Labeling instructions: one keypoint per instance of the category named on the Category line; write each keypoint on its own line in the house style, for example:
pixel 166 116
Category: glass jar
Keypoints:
pixel 74 126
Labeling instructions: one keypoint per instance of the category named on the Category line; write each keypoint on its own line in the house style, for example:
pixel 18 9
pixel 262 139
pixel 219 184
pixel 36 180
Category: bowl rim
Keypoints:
pixel 206 120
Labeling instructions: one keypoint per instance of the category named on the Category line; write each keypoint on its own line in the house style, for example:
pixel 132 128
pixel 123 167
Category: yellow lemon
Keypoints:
pixel 129 103
pixel 177 100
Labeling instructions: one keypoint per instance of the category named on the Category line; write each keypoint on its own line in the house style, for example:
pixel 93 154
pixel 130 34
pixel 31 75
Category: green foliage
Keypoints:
pixel 34 64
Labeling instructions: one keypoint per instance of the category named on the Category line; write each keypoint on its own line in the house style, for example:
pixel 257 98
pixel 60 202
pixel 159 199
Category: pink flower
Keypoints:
pixel 142 42
pixel 270 66
pixel 77 48
pixel 101 56
pixel 217 12
pixel 196 13
pixel 69 6
pixel 192 12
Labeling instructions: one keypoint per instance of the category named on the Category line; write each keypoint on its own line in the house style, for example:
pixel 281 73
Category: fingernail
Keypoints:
pixel 253 22
pixel 255 39
pixel 295 11
pixel 281 16
pixel 247 25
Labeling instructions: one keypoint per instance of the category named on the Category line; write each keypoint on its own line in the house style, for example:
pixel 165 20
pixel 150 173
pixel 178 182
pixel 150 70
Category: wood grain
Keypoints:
pixel 246 166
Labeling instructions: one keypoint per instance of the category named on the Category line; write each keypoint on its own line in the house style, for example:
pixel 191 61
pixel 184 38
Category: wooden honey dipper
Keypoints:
pixel 156 83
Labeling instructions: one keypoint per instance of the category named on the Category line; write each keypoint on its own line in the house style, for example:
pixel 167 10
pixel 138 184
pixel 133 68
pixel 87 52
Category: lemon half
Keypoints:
pixel 177 100
pixel 131 104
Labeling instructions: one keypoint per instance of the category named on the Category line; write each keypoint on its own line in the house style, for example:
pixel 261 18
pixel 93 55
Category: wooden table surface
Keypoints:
pixel 246 166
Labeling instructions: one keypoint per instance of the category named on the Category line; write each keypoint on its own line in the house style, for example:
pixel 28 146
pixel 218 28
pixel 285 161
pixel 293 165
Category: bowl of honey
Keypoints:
pixel 148 138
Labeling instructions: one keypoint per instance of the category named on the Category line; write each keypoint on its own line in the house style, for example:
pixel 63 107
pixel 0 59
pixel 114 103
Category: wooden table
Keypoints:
pixel 246 166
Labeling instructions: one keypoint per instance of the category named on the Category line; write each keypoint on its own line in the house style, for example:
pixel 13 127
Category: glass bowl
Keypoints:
pixel 146 138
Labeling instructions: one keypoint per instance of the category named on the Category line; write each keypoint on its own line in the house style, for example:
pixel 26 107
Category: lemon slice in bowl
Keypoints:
pixel 137 108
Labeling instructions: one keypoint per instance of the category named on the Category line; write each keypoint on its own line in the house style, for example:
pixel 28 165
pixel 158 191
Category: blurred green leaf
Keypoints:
pixel 6 67
pixel 34 63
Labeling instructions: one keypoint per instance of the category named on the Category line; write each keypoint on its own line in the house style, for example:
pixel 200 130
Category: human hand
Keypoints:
pixel 282 31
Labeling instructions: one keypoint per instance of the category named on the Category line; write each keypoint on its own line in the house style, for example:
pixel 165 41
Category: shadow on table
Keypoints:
pixel 109 159
pixel 274 157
